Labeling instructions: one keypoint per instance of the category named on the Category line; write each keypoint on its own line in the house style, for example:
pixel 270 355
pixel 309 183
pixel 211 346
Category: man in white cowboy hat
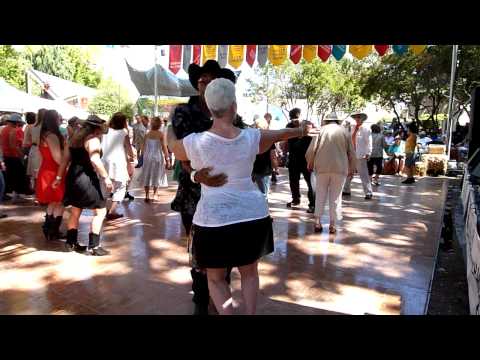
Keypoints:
pixel 362 143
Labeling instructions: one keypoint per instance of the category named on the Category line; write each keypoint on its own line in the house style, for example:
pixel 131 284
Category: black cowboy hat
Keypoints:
pixel 195 71
pixel 210 67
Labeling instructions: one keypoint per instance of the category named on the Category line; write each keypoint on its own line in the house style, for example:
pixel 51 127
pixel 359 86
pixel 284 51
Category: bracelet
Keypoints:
pixel 192 176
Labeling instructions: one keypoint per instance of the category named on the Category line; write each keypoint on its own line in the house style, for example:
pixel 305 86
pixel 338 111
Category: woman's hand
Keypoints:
pixel 168 163
pixel 108 184
pixel 56 183
pixel 308 129
pixel 2 166
pixel 130 169
pixel 310 166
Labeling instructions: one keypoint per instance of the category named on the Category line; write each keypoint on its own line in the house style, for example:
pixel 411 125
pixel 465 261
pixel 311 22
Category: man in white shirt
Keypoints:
pixel 362 143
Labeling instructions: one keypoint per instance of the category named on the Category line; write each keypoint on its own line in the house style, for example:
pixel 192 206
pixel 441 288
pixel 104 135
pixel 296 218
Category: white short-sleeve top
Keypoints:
pixel 239 200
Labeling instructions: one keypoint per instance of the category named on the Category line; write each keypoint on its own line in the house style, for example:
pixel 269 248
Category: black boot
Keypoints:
pixel 94 247
pixel 47 225
pixel 201 296
pixel 128 196
pixel 72 242
pixel 54 230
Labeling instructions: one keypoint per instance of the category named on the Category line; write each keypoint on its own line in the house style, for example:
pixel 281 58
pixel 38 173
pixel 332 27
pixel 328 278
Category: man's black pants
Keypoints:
pixel 294 178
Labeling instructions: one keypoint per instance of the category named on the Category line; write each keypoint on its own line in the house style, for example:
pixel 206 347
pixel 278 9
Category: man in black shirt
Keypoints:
pixel 297 164
pixel 262 170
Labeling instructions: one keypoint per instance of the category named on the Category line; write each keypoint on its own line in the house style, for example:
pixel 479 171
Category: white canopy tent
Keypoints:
pixel 167 83
pixel 14 100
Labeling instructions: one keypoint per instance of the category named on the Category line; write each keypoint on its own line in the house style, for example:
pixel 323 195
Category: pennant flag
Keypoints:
pixel 360 51
pixel 209 52
pixel 338 51
pixel 400 49
pixel 262 54
pixel 197 52
pixel 235 55
pixel 187 56
pixel 295 53
pixel 251 52
pixel 381 49
pixel 324 52
pixel 175 58
pixel 309 52
pixel 418 49
pixel 277 54
pixel 222 55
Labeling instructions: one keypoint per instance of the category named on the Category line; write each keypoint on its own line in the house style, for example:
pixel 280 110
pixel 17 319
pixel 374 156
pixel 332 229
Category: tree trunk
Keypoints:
pixel 392 104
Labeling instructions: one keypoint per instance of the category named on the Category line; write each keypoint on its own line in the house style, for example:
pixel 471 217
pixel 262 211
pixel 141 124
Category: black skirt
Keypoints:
pixel 232 245
pixel 83 190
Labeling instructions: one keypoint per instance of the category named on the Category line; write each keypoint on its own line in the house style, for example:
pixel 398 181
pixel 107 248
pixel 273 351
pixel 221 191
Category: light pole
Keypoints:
pixel 155 111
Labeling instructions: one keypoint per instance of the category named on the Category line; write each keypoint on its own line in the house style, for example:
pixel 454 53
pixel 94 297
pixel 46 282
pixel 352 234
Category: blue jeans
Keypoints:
pixel 263 183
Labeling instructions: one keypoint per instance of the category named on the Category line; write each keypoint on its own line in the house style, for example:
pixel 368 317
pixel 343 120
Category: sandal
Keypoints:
pixel 318 228
pixel 332 229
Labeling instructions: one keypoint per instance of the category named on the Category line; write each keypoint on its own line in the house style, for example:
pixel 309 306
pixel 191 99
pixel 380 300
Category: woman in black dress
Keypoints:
pixel 83 189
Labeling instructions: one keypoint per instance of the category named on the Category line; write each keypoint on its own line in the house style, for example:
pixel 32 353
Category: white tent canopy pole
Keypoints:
pixel 450 99
pixel 155 82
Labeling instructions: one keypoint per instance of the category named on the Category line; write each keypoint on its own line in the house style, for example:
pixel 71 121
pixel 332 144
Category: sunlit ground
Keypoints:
pixel 380 261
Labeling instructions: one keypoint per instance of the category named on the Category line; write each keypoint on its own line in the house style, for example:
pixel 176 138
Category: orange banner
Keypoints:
pixel 360 51
pixel 236 55
pixel 209 52
pixel 309 52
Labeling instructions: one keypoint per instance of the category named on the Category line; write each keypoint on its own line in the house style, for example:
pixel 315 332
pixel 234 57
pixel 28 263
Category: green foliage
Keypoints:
pixel 12 66
pixel 66 62
pixel 468 73
pixel 111 98
pixel 324 86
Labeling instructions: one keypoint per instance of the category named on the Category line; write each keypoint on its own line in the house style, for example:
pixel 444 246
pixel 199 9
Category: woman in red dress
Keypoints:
pixel 51 148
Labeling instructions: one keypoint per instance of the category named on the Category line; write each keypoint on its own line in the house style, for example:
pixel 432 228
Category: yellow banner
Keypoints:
pixel 309 52
pixel 277 54
pixel 360 51
pixel 209 52
pixel 418 49
pixel 235 55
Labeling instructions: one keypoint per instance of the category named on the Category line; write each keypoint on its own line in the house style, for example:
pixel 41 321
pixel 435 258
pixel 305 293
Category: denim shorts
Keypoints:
pixel 410 160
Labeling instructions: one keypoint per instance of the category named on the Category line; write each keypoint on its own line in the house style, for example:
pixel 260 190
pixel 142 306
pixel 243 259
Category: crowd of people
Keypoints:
pixel 224 171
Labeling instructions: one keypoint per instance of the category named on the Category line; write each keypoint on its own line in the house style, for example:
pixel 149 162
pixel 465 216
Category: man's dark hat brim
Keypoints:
pixel 227 74
pixel 195 71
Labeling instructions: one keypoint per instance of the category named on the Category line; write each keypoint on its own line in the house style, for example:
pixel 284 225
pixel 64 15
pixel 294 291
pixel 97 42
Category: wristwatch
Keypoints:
pixel 192 176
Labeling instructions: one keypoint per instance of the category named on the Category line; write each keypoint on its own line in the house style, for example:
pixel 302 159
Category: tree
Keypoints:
pixel 346 85
pixel 394 80
pixel 12 66
pixel 110 99
pixel 66 62
pixel 273 84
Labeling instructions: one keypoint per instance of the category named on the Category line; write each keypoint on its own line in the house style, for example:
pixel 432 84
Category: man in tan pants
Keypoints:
pixel 362 143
